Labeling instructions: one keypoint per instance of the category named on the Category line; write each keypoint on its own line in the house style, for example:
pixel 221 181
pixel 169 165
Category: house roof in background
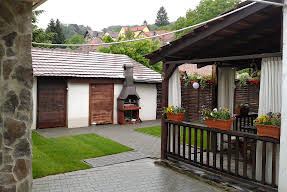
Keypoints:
pixel 113 34
pixel 66 63
pixel 192 68
pixel 164 37
pixel 139 28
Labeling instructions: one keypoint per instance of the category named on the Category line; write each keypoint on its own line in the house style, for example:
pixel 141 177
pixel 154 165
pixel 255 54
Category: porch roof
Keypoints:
pixel 253 30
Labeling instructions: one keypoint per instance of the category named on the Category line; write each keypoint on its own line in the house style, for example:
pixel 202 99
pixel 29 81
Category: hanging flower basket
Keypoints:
pixel 268 130
pixel 241 111
pixel 219 124
pixel 178 117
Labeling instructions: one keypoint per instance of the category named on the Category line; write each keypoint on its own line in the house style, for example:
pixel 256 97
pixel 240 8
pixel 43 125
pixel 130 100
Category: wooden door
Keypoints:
pixel 101 103
pixel 51 103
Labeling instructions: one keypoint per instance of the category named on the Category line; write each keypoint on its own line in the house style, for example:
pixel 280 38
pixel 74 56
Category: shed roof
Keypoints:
pixel 66 63
pixel 253 30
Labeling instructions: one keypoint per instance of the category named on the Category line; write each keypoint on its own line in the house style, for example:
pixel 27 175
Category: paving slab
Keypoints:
pixel 137 176
pixel 115 159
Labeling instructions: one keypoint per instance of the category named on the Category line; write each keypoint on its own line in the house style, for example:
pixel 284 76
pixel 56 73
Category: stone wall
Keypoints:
pixel 15 96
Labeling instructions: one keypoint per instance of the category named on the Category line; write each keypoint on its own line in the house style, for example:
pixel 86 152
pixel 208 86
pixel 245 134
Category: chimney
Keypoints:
pixel 129 89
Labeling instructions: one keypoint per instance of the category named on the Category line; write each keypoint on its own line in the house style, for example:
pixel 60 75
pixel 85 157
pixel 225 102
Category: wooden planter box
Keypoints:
pixel 178 117
pixel 219 124
pixel 241 111
pixel 268 130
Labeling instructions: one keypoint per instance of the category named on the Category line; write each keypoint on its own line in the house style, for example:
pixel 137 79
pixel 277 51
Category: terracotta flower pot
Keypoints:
pixel 268 130
pixel 219 124
pixel 178 117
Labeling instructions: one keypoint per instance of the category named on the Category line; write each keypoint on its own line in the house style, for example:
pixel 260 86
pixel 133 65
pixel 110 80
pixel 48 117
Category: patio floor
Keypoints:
pixel 139 175
pixel 129 171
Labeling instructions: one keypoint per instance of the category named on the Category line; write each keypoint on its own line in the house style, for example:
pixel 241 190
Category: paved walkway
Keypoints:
pixel 135 176
pixel 124 134
pixel 129 171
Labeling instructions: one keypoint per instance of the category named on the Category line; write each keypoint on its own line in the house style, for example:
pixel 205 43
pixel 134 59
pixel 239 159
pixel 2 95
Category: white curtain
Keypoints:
pixel 226 86
pixel 269 101
pixel 270 85
pixel 174 89
pixel 174 98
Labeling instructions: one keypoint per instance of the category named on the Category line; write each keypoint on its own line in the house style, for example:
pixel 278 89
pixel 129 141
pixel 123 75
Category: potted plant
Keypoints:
pixel 174 113
pixel 269 125
pixel 220 119
pixel 242 109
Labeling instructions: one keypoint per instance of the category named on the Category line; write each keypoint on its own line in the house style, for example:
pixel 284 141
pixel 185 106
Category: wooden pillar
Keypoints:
pixel 164 101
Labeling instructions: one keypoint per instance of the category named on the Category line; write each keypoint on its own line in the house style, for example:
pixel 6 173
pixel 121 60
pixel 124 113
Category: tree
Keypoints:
pixel 129 34
pixel 39 35
pixel 207 9
pixel 135 50
pixel 53 27
pixel 161 18
pixel 76 39
pixel 35 14
pixel 107 39
pixel 60 35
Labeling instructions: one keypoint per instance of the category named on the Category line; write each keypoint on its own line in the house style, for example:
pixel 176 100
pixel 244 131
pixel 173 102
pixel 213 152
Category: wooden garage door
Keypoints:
pixel 101 103
pixel 51 103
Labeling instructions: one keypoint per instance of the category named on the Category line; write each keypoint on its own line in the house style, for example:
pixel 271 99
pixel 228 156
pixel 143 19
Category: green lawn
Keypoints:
pixel 156 131
pixel 64 154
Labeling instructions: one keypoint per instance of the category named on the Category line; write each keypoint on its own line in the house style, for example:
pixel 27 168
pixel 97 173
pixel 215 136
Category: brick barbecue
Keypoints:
pixel 128 100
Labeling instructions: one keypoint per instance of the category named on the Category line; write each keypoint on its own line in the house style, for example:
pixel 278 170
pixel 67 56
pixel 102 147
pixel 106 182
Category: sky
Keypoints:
pixel 99 14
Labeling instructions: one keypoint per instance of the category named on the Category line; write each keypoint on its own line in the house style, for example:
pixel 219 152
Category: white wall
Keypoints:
pixel 78 105
pixel 148 100
pixel 117 91
pixel 34 97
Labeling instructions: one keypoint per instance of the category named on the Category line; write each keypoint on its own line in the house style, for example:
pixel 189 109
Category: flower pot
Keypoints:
pixel 241 111
pixel 219 124
pixel 268 130
pixel 178 117
pixel 237 111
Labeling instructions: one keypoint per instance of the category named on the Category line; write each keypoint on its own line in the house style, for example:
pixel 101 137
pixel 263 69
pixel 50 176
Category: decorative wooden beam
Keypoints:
pixel 164 103
pixel 231 58
pixel 181 43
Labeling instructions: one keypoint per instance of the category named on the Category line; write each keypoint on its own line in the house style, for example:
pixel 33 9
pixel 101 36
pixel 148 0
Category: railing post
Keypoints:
pixel 164 101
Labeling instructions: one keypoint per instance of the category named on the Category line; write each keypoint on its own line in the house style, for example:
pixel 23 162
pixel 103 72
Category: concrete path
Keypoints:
pixel 135 176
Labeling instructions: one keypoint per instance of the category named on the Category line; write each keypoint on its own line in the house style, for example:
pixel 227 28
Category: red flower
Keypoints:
pixel 208 81
pixel 191 82
pixel 256 81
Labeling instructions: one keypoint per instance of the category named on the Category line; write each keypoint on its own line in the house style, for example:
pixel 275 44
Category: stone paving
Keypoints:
pixel 124 134
pixel 140 175
pixel 128 171
pixel 115 159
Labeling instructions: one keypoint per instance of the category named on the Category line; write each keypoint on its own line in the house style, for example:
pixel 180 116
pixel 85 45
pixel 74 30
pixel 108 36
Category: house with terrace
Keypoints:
pixel 248 36
pixel 77 89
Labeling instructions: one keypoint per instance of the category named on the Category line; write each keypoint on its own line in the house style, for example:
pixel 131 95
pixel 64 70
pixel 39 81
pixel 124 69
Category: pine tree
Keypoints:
pixel 60 35
pixel 51 27
pixel 161 18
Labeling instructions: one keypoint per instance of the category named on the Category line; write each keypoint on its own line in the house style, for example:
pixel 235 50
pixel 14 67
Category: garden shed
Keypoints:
pixel 76 89
pixel 251 35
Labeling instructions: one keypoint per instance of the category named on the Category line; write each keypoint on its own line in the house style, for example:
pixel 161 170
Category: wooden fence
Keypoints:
pixel 193 99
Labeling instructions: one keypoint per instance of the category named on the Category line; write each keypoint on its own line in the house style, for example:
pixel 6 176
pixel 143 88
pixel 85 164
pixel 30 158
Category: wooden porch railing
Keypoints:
pixel 229 153
pixel 243 121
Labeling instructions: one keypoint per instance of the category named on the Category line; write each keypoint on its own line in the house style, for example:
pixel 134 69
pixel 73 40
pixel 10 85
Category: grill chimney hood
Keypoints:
pixel 129 88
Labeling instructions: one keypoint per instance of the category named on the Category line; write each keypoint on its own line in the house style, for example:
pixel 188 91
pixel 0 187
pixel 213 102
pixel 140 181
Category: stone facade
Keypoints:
pixel 15 96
